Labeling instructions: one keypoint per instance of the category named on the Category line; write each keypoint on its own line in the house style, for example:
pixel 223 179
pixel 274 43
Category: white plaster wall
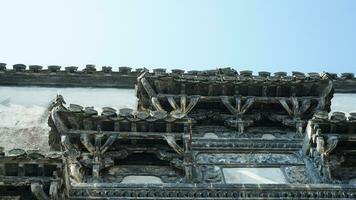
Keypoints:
pixel 23 111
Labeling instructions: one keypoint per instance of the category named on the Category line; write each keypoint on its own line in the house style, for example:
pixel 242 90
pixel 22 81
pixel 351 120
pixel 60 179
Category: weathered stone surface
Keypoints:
pixel 201 135
pixel 107 69
pixel 126 78
pixel 54 68
pixel 2 66
pixel 71 69
pixel 35 68
pixel 19 67
pixel 125 70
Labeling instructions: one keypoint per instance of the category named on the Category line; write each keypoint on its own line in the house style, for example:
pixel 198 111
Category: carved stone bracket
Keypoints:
pixel 146 85
pixel 185 151
pixel 182 110
pixel 71 154
pixel 155 102
pixel 97 150
pixel 57 106
pixel 179 111
pixel 297 108
pixel 238 110
pixel 323 96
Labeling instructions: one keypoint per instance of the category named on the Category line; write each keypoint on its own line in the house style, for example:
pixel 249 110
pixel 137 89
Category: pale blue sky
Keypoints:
pixel 275 35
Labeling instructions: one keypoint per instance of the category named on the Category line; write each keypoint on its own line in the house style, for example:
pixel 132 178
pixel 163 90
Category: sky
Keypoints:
pixel 259 35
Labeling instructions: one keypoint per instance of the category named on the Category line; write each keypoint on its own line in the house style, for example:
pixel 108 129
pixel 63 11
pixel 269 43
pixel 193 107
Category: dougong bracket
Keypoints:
pixel 296 110
pixel 182 110
pixel 238 110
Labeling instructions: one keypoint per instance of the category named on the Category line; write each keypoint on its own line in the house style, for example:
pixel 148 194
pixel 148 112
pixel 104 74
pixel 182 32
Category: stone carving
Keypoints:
pixel 297 174
pixel 329 143
pixel 289 100
pixel 248 158
pixel 187 128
